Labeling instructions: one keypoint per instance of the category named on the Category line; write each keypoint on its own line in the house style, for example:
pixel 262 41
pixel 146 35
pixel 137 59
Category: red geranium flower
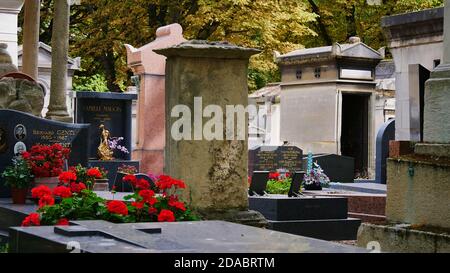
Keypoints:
pixel 46 200
pixel 167 182
pixel 62 191
pixel 40 191
pixel 63 222
pixel 77 187
pixel 26 155
pixel 130 178
pixel 32 220
pixel 94 172
pixel 138 205
pixel 166 216
pixel 152 211
pixel 67 177
pixel 142 184
pixel 177 204
pixel 117 207
pixel 148 196
pixel 274 176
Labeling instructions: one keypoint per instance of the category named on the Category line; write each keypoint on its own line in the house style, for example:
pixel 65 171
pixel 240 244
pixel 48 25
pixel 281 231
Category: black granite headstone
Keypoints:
pixel 338 168
pixel 110 109
pixel 20 131
pixel 259 183
pixel 385 134
pixel 272 158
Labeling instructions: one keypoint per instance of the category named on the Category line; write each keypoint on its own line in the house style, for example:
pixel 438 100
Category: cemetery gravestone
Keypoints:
pixel 20 131
pixel 272 158
pixel 385 134
pixel 110 109
pixel 338 168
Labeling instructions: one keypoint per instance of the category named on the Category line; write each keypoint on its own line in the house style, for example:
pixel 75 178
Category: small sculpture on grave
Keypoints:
pixel 105 152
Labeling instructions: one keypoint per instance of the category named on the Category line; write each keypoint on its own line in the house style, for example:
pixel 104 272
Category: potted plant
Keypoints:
pixel 19 178
pixel 47 163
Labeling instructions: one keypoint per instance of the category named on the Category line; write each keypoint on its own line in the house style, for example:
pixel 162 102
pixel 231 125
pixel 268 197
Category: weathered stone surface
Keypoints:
pixel 21 95
pixel 6 64
pixel 438 150
pixel 418 192
pixel 402 239
pixel 215 171
pixel 437 111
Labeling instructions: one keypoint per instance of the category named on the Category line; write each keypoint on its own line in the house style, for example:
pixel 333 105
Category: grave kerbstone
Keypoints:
pixel 20 131
pixel 180 237
pixel 273 158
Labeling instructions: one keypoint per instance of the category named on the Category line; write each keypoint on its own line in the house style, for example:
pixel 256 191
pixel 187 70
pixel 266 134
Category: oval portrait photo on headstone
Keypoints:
pixel 20 132
pixel 3 144
pixel 19 148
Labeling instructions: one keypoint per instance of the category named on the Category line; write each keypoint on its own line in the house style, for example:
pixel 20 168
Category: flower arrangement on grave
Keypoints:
pixel 19 177
pixel 77 202
pixel 46 163
pixel 279 183
pixel 127 169
pixel 315 178
pixel 89 176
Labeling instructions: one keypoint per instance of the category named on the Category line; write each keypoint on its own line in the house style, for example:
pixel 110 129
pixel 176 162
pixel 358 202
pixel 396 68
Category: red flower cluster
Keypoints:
pixel 173 202
pixel 274 176
pixel 117 207
pixel 166 216
pixel 167 182
pixel 130 178
pixel 63 222
pixel 94 173
pixel 47 161
pixel 148 197
pixel 77 187
pixel 62 191
pixel 40 192
pixel 142 184
pixel 46 200
pixel 67 177
pixel 32 220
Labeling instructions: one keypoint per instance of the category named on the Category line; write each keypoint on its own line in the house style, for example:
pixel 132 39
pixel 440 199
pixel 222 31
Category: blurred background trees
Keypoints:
pixel 100 28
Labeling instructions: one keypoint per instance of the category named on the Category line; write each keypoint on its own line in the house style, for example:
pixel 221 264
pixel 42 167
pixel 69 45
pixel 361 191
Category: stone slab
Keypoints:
pixel 330 229
pixel 371 188
pixel 282 208
pixel 181 237
pixel 402 239
pixel 433 149
pixel 418 191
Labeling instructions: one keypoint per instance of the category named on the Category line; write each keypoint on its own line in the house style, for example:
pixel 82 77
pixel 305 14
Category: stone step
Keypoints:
pixel 330 230
pixel 283 208
pixel 368 218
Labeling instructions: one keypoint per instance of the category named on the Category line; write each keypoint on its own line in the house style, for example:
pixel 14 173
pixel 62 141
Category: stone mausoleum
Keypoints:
pixel 328 101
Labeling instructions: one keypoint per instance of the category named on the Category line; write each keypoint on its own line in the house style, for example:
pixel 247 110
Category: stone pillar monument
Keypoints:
pixel 57 109
pixel 437 95
pixel 151 68
pixel 418 184
pixel 214 170
pixel 31 38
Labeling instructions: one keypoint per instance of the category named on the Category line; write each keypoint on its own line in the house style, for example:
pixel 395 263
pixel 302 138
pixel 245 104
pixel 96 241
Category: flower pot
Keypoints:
pixel 19 196
pixel 313 187
pixel 51 182
pixel 101 185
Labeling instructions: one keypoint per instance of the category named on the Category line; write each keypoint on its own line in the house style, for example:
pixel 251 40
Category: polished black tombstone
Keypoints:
pixel 111 167
pixel 110 109
pixel 297 180
pixel 385 134
pixel 273 158
pixel 20 131
pixel 259 183
pixel 337 167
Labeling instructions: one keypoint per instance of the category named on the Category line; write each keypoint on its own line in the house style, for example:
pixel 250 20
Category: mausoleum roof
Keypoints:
pixel 45 58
